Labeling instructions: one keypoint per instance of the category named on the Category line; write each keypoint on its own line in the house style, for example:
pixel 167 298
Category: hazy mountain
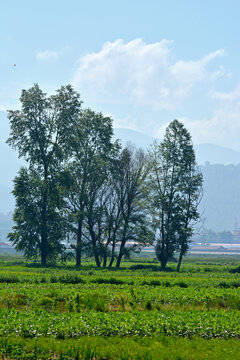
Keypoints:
pixel 220 205
pixel 215 154
pixel 132 136
pixel 212 153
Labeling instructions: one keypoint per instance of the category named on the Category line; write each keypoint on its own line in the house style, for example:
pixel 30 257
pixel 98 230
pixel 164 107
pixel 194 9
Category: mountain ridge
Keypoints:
pixel 206 152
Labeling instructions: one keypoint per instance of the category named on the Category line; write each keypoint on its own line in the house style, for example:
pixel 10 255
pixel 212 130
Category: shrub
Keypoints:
pixel 235 270
pixel 111 280
pixel 148 305
pixel 182 284
pixel 67 279
pixel 224 285
pixel 9 279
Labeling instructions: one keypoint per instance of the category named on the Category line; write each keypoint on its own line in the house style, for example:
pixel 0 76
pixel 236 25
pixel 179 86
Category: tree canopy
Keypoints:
pixel 176 187
pixel 41 132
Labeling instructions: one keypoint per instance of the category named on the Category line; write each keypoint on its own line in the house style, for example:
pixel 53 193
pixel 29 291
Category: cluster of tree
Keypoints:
pixel 81 188
pixel 210 236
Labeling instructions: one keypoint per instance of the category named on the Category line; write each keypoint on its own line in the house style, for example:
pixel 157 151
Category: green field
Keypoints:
pixel 136 312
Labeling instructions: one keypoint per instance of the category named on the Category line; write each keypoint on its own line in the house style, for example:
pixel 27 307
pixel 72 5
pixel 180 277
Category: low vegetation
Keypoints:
pixel 136 312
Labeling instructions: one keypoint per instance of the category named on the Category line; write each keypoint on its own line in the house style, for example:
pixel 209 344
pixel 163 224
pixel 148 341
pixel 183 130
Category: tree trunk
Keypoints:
pixel 123 242
pixel 79 244
pixel 43 254
pixel 112 256
pixel 164 259
pixel 44 230
pixel 105 259
pixel 180 260
pixel 121 252
pixel 96 257
pixel 119 259
pixel 163 264
pixel 95 252
pixel 161 253
pixel 43 244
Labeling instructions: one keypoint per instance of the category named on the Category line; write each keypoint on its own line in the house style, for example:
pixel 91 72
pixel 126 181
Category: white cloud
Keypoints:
pixel 3 108
pixel 187 73
pixel 48 55
pixel 193 71
pixel 222 128
pixel 125 122
pixel 231 96
pixel 141 74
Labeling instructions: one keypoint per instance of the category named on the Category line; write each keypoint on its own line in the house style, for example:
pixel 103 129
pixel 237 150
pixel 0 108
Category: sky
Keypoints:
pixel 144 63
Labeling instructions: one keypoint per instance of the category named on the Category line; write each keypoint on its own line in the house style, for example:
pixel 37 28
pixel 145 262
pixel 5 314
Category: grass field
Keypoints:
pixel 136 312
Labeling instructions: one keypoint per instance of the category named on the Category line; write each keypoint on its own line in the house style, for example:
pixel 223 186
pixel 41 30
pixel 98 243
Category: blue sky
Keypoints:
pixel 142 62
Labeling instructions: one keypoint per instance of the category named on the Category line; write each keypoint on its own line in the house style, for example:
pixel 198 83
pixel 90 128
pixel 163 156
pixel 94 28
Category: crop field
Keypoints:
pixel 135 312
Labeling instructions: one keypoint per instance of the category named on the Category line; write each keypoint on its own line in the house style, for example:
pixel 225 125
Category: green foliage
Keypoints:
pixel 235 270
pixel 206 324
pixel 67 279
pixel 108 281
pixel 27 229
pixel 78 185
pixel 130 185
pixel 176 188
pixel 87 173
pixel 41 133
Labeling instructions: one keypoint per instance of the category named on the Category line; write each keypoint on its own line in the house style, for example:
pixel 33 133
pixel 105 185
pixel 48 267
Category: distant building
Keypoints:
pixel 236 233
pixel 208 248
pixel 236 236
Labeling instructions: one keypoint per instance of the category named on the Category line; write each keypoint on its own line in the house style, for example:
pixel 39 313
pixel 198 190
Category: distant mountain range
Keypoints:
pixel 221 200
pixel 211 153
pixel 214 154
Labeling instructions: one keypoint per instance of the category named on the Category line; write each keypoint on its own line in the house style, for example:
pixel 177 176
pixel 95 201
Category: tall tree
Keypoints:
pixel 41 132
pixel 115 213
pixel 176 187
pixel 27 228
pixel 190 197
pixel 92 151
pixel 130 187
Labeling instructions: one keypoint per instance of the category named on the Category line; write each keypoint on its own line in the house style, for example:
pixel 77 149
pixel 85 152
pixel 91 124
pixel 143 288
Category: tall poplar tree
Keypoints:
pixel 176 189
pixel 92 151
pixel 129 181
pixel 41 133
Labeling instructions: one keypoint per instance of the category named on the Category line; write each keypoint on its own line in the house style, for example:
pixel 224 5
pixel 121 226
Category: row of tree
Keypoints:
pixel 80 192
pixel 209 236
